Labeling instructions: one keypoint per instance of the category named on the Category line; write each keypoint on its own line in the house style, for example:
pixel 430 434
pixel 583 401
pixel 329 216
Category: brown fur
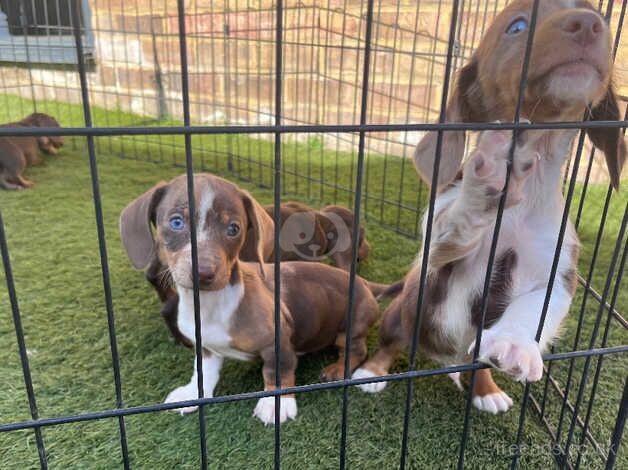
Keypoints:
pixel 314 296
pixel 487 87
pixel 17 153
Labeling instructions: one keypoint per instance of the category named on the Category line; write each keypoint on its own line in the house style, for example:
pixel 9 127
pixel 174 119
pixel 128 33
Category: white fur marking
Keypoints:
pixel 207 202
pixel 217 309
pixel 374 387
pixel 493 403
pixel 265 410
pixel 211 373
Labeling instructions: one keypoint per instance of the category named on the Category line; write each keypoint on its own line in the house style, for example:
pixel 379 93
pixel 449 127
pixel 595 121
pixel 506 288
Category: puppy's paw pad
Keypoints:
pixel 493 403
pixel 373 387
pixel 517 357
pixel 265 410
pixel 183 393
pixel 485 175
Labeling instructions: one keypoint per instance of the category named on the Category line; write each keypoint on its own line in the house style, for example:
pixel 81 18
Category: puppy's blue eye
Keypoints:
pixel 233 229
pixel 176 223
pixel 520 24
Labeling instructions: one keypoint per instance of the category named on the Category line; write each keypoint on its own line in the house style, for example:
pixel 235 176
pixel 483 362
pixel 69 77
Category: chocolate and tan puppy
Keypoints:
pixel 16 153
pixel 310 235
pixel 236 298
pixel 570 71
pixel 306 235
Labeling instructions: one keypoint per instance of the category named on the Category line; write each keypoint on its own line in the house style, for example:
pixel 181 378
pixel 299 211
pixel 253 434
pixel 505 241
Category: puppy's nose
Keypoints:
pixel 206 274
pixel 583 27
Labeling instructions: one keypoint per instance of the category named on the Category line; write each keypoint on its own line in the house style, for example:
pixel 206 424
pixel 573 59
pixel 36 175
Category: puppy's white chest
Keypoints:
pixel 217 309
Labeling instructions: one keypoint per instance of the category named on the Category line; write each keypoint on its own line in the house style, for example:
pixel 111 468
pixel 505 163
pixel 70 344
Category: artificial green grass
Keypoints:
pixel 54 252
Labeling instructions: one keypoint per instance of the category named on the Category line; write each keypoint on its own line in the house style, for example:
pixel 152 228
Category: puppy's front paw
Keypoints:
pixel 183 393
pixel 373 387
pixel 518 357
pixel 484 175
pixel 265 409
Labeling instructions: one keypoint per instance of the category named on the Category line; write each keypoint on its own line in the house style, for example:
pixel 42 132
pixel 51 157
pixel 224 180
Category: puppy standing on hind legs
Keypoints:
pixel 456 239
pixel 570 70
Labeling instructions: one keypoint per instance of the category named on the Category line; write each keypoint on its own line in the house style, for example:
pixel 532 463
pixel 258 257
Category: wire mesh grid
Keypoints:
pixel 264 92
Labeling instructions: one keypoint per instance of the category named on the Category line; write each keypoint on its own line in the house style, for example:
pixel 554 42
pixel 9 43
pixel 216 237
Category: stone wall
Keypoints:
pixel 231 57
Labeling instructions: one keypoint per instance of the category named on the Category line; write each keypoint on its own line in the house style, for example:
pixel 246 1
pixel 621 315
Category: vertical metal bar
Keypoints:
pixel 598 370
pixel 587 363
pixel 198 346
pixel 339 107
pixel 277 214
pixel 297 101
pixel 619 429
pixel 585 296
pixel 356 223
pixel 227 84
pixel 417 219
pixel 565 218
pixel 391 98
pixel 428 236
pixel 407 115
pixel 19 333
pixel 552 277
pixel 100 226
pixel 367 170
pixel 498 220
pixel 27 52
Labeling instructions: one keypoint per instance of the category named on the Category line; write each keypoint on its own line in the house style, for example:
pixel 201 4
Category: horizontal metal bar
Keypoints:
pixel 292 129
pixel 285 391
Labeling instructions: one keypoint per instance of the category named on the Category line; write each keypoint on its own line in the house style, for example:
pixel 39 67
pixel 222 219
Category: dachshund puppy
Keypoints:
pixel 236 298
pixel 570 71
pixel 16 153
pixel 329 231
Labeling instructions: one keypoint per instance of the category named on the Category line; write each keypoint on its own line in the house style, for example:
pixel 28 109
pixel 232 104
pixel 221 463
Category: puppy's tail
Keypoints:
pixel 385 290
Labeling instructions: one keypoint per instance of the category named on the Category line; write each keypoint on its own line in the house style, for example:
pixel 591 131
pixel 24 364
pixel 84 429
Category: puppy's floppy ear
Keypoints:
pixel 259 238
pixel 609 140
pixel 135 221
pixel 465 105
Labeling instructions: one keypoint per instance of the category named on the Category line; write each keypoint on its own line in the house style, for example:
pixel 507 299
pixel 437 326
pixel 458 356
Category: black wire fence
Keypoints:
pixel 271 93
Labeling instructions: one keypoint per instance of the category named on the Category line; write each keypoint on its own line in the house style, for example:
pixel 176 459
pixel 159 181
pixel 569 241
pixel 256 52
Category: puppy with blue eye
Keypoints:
pixel 236 297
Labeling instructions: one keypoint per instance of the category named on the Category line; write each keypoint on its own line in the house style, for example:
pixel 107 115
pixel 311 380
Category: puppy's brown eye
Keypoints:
pixel 233 229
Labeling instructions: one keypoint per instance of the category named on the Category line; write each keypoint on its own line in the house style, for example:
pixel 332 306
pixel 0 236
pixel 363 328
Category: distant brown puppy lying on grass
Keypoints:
pixel 16 153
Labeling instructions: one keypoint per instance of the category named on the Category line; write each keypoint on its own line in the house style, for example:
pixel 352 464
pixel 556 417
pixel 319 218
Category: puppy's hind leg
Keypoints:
pixel 487 396
pixel 265 407
pixel 366 313
pixel 357 354
pixel 392 342
pixel 6 184
pixel 13 162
